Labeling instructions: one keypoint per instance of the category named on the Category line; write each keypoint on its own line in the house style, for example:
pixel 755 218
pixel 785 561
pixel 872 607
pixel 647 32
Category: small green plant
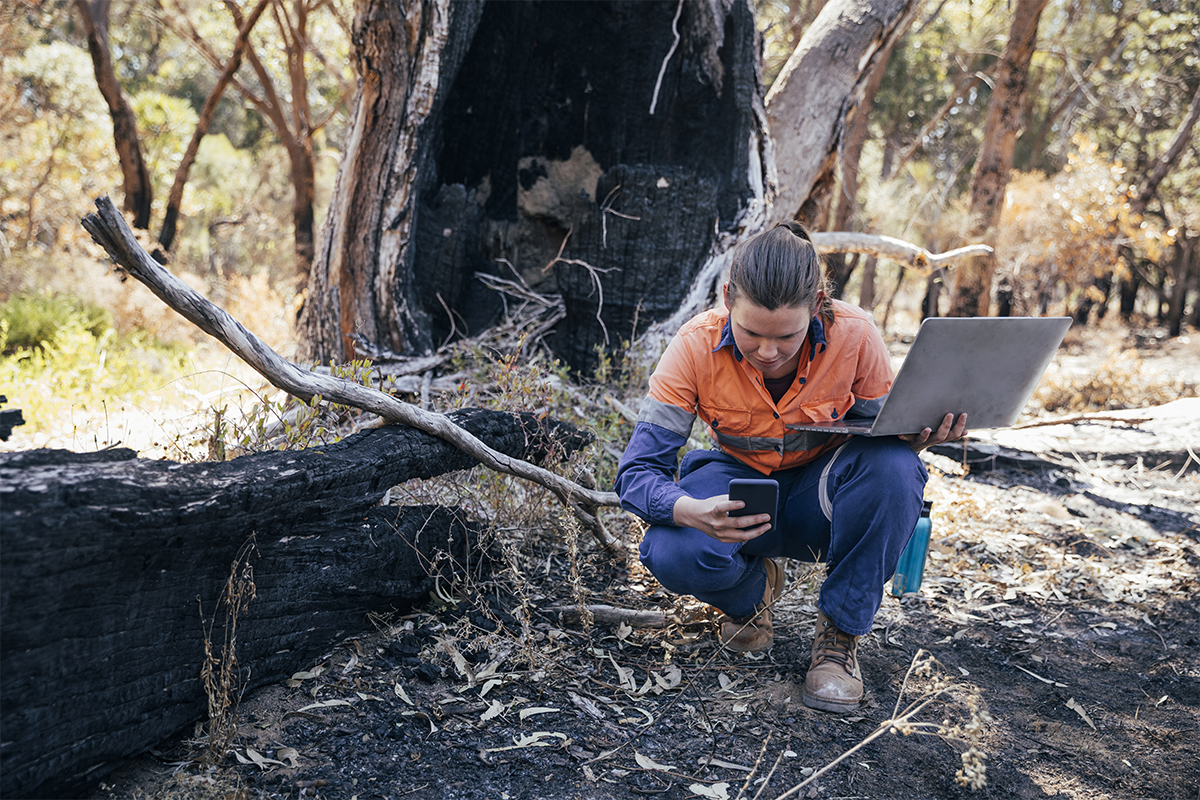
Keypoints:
pixel 287 422
pixel 80 369
pixel 32 322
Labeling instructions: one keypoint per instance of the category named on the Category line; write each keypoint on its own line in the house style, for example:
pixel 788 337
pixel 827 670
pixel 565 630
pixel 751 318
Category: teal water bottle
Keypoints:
pixel 912 561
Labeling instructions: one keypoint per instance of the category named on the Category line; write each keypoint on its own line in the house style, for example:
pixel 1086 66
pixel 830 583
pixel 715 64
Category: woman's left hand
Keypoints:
pixel 948 431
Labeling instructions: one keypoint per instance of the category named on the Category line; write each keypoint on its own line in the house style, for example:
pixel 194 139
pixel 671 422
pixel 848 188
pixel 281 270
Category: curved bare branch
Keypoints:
pixel 110 230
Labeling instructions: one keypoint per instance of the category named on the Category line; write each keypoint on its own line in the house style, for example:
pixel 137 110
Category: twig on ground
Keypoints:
pixel 611 615
pixel 761 752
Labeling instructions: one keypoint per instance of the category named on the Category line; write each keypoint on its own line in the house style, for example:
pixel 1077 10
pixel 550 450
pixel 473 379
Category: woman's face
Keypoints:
pixel 771 340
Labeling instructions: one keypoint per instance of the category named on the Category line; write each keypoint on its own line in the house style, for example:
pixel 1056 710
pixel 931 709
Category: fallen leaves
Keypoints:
pixel 1078 709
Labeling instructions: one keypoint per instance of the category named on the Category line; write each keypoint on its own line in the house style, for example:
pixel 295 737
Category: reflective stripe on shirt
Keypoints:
pixel 796 441
pixel 665 415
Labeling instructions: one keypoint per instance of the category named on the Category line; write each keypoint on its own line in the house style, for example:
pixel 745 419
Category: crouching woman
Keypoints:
pixel 779 354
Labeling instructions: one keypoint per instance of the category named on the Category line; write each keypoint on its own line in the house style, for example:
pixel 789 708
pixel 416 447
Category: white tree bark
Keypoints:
pixel 822 80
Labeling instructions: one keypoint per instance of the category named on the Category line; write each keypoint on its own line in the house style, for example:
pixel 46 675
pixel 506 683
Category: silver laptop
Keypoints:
pixel 985 367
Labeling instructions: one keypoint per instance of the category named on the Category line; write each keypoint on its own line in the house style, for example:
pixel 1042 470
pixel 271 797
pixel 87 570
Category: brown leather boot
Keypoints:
pixel 834 681
pixel 753 633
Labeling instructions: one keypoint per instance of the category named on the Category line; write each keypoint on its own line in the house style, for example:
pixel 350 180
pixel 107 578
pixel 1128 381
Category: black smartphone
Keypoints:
pixel 761 496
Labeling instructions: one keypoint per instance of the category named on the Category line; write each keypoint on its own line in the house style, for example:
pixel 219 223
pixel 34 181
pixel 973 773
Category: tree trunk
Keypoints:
pixel 578 145
pixel 839 267
pixel 989 181
pixel 866 294
pixel 136 176
pixel 1130 284
pixel 304 190
pixel 824 78
pixel 1185 271
pixel 166 236
pixel 105 557
pixel 361 279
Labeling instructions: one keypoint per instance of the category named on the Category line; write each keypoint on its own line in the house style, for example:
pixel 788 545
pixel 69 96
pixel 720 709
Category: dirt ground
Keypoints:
pixel 1058 609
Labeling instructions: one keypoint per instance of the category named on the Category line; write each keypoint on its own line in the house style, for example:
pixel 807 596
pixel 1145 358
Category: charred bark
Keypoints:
pixel 105 557
pixel 534 136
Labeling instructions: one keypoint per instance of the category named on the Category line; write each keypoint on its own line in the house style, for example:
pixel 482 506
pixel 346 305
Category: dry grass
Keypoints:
pixel 220 674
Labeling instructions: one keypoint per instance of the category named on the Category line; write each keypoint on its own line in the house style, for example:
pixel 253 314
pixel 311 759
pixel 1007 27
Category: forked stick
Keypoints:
pixel 110 230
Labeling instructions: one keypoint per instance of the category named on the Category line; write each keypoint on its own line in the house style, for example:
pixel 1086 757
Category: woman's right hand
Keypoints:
pixel 711 516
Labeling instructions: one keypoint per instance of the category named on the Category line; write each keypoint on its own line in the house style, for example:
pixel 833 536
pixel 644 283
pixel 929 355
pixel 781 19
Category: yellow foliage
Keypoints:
pixel 1056 233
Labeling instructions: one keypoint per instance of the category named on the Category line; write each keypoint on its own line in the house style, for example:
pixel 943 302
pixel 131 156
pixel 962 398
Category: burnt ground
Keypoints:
pixel 1062 623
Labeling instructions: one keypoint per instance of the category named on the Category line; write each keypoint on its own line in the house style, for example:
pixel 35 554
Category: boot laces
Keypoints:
pixel 836 646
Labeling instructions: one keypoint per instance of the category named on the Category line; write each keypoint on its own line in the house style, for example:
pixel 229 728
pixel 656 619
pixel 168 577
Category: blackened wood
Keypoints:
pixel 109 561
pixel 548 127
pixel 518 112
pixel 9 419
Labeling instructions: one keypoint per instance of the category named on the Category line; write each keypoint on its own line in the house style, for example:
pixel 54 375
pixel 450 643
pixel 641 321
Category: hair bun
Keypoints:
pixel 796 228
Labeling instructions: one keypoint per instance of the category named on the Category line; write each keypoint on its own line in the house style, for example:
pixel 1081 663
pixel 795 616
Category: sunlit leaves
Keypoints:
pixel 56 140
pixel 1058 232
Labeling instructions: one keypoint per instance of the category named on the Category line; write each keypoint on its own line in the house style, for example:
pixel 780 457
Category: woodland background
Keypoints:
pixel 1100 216
pixel 1060 598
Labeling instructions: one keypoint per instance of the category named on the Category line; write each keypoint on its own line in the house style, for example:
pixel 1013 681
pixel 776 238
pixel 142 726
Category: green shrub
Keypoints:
pixel 76 370
pixel 33 322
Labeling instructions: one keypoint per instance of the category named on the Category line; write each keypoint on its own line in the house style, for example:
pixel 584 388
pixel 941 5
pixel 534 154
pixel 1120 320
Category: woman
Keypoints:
pixel 780 353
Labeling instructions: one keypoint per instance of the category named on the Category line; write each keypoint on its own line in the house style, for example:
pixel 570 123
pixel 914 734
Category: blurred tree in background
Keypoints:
pixel 1111 86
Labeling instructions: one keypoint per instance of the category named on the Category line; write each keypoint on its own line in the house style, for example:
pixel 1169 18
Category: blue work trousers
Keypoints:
pixel 854 508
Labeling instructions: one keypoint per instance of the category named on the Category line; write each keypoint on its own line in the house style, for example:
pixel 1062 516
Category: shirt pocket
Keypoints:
pixel 731 421
pixel 833 410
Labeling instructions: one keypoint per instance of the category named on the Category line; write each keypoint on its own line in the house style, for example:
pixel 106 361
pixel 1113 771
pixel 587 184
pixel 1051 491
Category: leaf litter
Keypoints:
pixel 1040 624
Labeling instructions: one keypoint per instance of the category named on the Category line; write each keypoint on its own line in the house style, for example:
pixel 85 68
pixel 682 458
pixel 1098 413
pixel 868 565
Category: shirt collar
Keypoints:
pixel 727 339
pixel 816 337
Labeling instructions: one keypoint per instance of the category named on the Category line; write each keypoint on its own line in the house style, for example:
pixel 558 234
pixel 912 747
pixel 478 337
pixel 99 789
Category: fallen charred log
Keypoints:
pixel 111 564
pixel 9 419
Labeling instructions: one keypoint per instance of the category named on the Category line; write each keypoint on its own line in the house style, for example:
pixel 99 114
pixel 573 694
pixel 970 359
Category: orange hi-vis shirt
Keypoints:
pixel 844 369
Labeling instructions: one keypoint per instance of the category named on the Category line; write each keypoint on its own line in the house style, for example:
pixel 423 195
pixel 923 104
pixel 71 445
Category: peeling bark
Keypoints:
pixel 823 79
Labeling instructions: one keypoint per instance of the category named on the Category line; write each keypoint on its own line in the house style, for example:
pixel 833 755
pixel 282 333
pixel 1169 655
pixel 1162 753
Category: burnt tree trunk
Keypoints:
pixel 110 561
pixel 610 152
pixel 528 135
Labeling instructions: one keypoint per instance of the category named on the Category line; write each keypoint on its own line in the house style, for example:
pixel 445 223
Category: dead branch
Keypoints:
pixel 898 250
pixel 110 230
pixel 1082 418
pixel 611 615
